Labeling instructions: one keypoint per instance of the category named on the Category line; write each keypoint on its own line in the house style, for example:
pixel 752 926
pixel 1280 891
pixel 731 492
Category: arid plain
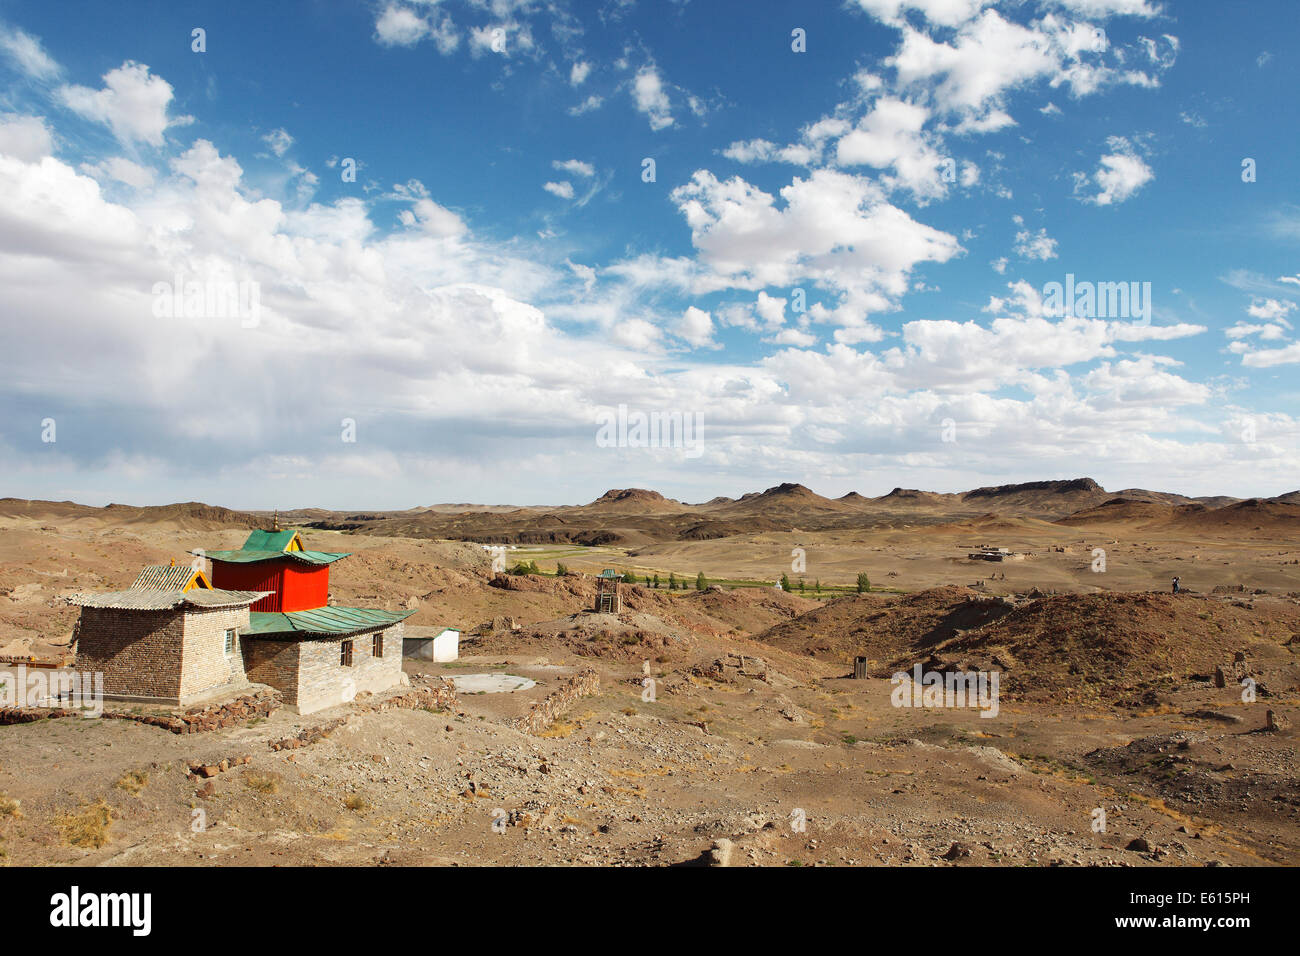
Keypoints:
pixel 756 745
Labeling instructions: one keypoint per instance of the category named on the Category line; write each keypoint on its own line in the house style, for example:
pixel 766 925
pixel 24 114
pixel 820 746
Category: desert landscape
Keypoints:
pixel 724 720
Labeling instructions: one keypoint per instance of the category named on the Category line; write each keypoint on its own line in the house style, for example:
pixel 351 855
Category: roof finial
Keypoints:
pixel 275 521
pixel 173 564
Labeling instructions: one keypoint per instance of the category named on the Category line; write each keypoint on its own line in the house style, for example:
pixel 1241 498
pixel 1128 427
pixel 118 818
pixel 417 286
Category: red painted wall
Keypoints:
pixel 305 587
pixel 262 576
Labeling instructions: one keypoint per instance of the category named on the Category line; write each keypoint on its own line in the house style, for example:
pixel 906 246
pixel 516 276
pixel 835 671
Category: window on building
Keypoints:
pixel 230 642
pixel 345 654
pixel 377 647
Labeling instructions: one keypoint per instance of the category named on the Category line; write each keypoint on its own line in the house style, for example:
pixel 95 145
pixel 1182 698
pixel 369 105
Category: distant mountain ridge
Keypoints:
pixel 633 517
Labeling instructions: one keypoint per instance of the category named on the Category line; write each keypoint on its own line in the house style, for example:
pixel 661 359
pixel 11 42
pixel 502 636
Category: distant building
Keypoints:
pixel 609 599
pixel 176 637
pixel 439 644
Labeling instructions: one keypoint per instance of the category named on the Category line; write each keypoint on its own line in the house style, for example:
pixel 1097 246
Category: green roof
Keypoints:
pixel 247 556
pixel 326 621
pixel 269 540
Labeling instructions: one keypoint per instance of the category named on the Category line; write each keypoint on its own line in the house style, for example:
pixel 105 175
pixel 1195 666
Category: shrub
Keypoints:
pixel 88 827
pixel 133 782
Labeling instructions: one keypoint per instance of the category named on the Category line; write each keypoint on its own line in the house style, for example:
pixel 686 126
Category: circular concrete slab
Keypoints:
pixel 491 683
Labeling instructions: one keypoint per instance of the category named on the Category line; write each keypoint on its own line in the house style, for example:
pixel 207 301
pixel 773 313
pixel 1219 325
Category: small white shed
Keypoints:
pixel 439 644
pixel 446 646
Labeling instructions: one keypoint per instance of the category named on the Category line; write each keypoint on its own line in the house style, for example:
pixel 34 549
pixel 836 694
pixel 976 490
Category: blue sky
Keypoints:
pixel 500 271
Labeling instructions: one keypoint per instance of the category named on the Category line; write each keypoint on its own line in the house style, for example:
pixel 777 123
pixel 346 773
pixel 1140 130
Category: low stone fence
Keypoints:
pixel 543 713
pixel 196 720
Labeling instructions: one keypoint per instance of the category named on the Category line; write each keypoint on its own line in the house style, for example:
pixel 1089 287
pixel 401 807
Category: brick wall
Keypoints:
pixel 172 656
pixel 204 664
pixel 274 663
pixel 309 674
pixel 138 652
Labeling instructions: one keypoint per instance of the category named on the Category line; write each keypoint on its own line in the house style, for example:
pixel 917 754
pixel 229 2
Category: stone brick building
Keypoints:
pixel 175 638
pixel 164 646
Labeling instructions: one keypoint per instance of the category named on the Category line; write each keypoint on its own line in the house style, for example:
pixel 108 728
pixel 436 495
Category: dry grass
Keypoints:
pixel 558 729
pixel 356 803
pixel 10 809
pixel 86 828
pixel 133 781
pixel 262 782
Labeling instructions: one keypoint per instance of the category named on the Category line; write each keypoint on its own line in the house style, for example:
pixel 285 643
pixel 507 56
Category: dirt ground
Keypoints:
pixel 786 757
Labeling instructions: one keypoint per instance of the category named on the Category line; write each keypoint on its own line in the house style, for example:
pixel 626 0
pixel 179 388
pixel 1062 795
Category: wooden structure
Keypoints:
pixel 860 668
pixel 609 599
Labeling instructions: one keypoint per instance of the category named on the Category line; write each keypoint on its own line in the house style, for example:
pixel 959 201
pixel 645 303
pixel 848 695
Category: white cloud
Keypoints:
pixel 652 98
pixel 1269 310
pixel 562 189
pixel 579 73
pixel 764 151
pixel 25 52
pixel 592 102
pixel 574 167
pixel 400 26
pixel 123 171
pixel 132 103
pixel 1269 358
pixel 1118 177
pixel 890 137
pixel 636 334
pixel 834 230
pixel 279 141
pixel 25 137
pixel 1039 245
pixel 948 13
pixel 696 327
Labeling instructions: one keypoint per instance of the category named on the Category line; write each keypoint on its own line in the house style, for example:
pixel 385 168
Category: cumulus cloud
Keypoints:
pixel 132 103
pixel 696 327
pixel 398 25
pixel 651 97
pixel 574 167
pixel 832 228
pixel 1031 245
pixel 1120 174
pixel 25 137
pixel 562 189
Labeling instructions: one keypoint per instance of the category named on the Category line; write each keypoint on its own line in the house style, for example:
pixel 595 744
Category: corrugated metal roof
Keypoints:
pixel 245 556
pixel 326 621
pixel 143 599
pixel 164 577
pixel 269 540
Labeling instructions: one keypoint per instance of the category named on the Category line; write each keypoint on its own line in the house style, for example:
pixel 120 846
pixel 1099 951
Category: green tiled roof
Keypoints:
pixel 326 621
pixel 249 556
pixel 269 540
